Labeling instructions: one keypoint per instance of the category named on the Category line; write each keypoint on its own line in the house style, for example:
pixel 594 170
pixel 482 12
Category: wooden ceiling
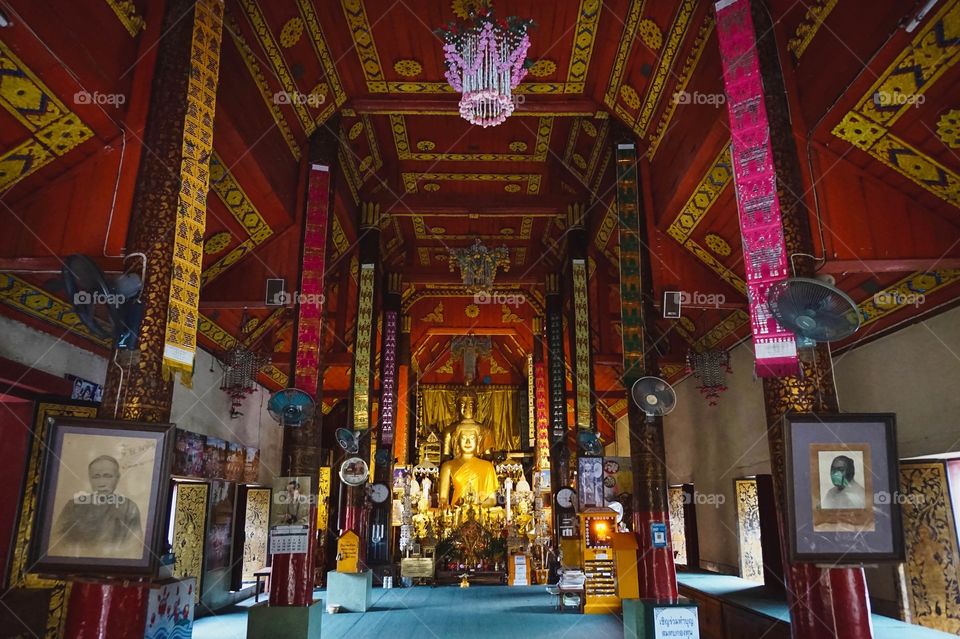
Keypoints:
pixel 884 198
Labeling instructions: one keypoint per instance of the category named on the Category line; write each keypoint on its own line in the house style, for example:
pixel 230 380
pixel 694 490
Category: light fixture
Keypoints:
pixel 710 367
pixel 486 59
pixel 478 266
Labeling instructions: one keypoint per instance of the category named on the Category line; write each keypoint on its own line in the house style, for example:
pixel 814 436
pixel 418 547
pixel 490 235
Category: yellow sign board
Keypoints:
pixel 348 552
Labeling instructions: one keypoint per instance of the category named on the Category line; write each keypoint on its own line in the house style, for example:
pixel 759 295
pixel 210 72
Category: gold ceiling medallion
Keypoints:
pixel 650 34
pixel 426 145
pixel 479 264
pixel 355 130
pixel 472 311
pixel 518 146
pixel 408 68
pixel 718 245
pixel 433 187
pixel 216 243
pixel 579 161
pixel 630 97
pixel 291 32
pixel 512 188
pixel 948 128
pixel 542 68
pixel 588 128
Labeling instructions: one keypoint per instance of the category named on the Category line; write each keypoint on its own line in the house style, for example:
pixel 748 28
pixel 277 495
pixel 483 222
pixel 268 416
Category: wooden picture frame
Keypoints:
pixel 842 488
pixel 103 497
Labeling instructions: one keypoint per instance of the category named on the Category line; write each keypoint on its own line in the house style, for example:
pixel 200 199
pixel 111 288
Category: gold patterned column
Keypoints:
pixel 169 212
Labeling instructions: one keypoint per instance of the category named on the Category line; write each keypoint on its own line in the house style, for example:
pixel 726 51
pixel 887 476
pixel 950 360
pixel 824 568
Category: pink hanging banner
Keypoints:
pixel 310 296
pixel 388 379
pixel 761 226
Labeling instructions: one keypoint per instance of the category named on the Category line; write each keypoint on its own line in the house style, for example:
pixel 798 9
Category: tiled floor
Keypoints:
pixel 487 612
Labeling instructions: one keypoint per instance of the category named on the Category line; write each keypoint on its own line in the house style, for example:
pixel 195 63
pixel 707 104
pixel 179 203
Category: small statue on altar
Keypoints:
pixel 467 473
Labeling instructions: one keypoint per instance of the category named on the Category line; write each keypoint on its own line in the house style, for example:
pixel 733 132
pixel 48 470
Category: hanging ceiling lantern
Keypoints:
pixel 710 367
pixel 478 265
pixel 486 59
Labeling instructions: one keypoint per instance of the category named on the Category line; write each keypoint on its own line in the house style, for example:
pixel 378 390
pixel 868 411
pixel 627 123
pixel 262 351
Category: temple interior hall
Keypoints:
pixel 626 319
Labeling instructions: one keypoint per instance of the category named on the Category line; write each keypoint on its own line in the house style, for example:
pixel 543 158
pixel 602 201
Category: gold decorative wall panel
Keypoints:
pixel 930 537
pixel 255 529
pixel 189 531
pixel 678 531
pixel 748 530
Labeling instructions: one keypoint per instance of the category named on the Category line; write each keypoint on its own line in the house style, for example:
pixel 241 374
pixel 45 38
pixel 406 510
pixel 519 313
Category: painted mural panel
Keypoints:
pixel 255 529
pixel 748 530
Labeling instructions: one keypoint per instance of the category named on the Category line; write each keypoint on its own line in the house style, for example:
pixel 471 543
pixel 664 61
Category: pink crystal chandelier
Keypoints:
pixel 486 60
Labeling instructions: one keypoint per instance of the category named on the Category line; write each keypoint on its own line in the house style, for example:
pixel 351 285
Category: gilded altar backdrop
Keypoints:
pixel 498 409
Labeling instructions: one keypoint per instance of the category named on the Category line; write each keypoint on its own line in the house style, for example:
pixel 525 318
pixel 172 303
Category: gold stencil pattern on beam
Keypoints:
pixel 659 81
pixel 948 128
pixel 55 129
pixel 402 143
pixel 627 39
pixel 360 31
pixel 362 349
pixel 126 12
pixel 322 49
pixel 278 62
pixel 583 39
pixel 508 316
pixel 607 225
pixel 251 61
pixel 37 303
pixel 693 59
pixel 704 196
pixel 903 294
pixel 808 27
pixel 532 179
pixel 435 316
pixel 934 50
pixel 729 326
pixel 225 185
pixel 581 344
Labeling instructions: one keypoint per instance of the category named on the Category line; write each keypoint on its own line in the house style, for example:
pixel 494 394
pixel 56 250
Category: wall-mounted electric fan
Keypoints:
pixel 813 310
pixel 589 443
pixel 291 407
pixel 654 396
pixel 109 308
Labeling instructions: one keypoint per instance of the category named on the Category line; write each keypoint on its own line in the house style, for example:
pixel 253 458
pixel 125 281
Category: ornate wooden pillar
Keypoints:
pixel 167 224
pixel 557 385
pixel 363 357
pixel 292 579
pixel 656 570
pixel 378 550
pixel 823 602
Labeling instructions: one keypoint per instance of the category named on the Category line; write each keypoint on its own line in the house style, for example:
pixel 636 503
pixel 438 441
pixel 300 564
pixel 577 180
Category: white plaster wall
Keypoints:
pixel 710 446
pixel 204 408
pixel 43 351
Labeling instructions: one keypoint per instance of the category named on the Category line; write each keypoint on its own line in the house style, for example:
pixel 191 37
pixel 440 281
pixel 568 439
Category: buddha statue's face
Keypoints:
pixel 468 442
pixel 466 407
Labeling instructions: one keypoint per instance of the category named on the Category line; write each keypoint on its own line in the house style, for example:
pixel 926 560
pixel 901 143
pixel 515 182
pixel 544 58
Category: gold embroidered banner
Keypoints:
pixel 361 362
pixel 582 344
pixel 180 342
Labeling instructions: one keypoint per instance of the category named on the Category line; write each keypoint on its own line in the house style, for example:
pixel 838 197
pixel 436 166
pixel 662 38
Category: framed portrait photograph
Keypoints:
pixel 103 498
pixel 842 487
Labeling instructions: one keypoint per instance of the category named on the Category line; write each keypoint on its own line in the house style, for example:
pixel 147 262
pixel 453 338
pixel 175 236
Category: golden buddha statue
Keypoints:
pixel 467 406
pixel 467 473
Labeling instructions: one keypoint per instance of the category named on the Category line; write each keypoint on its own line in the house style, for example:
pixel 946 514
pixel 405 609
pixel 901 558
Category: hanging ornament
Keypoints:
pixel 710 367
pixel 486 60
